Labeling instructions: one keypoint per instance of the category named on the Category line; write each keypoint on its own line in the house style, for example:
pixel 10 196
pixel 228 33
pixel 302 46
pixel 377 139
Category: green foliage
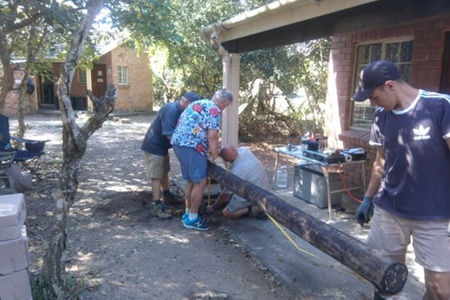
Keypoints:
pixel 191 64
pixel 38 31
pixel 147 22
pixel 270 80
pixel 188 63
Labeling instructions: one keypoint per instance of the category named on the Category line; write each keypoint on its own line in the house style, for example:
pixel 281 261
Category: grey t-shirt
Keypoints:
pixel 248 167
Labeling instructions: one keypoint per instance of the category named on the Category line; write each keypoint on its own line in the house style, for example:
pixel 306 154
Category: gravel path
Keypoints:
pixel 115 247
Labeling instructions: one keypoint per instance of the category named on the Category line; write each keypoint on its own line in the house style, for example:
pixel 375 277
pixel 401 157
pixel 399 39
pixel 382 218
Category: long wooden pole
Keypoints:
pixel 386 274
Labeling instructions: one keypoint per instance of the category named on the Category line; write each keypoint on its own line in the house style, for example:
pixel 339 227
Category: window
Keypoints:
pixel 122 74
pixel 398 52
pixel 82 76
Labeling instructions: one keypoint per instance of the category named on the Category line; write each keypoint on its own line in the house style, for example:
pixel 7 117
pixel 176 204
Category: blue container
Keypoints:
pixel 313 146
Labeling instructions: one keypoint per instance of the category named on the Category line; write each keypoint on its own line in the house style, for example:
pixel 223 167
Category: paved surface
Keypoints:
pixel 309 272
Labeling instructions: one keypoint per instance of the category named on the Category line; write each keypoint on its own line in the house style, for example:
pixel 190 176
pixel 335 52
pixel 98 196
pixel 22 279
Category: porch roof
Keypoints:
pixel 285 22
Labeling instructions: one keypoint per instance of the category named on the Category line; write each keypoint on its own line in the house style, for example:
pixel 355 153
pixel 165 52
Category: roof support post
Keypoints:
pixel 90 106
pixel 231 80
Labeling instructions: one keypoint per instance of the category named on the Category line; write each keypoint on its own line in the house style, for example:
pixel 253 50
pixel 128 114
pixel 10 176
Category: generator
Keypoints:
pixel 310 185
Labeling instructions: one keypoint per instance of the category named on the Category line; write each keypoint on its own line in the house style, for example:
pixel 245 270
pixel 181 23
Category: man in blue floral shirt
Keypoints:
pixel 195 137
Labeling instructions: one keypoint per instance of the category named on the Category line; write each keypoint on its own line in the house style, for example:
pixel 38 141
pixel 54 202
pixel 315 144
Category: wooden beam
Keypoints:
pixel 386 274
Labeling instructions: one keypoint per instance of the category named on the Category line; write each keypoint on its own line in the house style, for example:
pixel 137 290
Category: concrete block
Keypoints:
pixel 15 255
pixel 15 286
pixel 13 231
pixel 12 216
pixel 11 208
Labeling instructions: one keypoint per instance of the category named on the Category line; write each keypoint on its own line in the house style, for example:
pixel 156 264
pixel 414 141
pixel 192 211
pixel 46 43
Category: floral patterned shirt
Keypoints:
pixel 194 123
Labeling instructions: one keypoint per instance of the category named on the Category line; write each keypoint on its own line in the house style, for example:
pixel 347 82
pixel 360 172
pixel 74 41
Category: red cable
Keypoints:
pixel 344 184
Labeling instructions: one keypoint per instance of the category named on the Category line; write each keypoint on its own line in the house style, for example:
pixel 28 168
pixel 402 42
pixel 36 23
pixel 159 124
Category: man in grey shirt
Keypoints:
pixel 245 165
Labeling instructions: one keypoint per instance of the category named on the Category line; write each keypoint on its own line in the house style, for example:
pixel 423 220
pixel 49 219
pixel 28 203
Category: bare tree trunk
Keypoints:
pixel 7 80
pixel 74 146
pixel 9 26
pixel 32 49
pixel 20 107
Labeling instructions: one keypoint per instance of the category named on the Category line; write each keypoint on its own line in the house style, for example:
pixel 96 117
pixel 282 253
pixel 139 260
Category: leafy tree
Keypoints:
pixel 271 76
pixel 310 61
pixel 185 62
pixel 75 138
pixel 14 19
pixel 32 31
pixel 74 146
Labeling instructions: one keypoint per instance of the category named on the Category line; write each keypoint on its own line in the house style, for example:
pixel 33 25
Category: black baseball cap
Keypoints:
pixel 191 96
pixel 374 75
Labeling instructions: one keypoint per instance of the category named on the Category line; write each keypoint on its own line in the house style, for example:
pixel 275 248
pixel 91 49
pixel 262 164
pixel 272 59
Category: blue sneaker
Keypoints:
pixel 185 216
pixel 198 224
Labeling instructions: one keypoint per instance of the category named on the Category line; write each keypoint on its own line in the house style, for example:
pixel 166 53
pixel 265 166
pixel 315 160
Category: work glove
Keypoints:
pixel 364 211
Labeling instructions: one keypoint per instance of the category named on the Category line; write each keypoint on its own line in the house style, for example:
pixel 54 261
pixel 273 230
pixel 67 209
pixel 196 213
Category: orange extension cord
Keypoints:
pixel 344 185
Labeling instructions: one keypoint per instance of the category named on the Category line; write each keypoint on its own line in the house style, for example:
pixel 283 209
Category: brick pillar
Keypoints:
pixel 14 262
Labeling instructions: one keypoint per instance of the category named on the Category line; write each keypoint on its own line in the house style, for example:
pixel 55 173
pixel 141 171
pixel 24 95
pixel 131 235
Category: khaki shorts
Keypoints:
pixel 237 203
pixel 430 239
pixel 156 165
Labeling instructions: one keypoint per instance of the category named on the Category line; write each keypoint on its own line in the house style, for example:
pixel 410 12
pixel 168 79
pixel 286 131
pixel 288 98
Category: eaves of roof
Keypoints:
pixel 274 15
pixel 287 22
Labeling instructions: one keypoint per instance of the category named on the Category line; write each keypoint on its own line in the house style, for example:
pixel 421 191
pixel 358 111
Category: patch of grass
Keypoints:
pixel 74 286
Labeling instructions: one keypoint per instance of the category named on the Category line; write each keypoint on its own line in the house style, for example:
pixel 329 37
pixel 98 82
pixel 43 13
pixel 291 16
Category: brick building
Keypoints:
pixel 415 34
pixel 120 65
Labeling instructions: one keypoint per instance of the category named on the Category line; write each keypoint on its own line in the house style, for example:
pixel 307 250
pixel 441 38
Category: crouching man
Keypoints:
pixel 245 165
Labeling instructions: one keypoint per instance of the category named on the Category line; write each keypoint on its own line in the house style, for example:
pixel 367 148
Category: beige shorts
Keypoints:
pixel 156 165
pixel 237 203
pixel 430 239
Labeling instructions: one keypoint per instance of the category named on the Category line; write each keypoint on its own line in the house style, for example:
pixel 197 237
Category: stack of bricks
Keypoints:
pixel 14 261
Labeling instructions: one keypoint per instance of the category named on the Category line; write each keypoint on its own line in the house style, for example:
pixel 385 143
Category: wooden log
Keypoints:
pixel 386 274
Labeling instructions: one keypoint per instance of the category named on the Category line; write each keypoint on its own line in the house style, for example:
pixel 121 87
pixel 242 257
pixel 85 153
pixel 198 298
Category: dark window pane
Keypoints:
pixel 406 51
pixel 363 55
pixel 405 71
pixel 399 52
pixel 368 53
pixel 376 52
pixel 392 51
pixel 363 115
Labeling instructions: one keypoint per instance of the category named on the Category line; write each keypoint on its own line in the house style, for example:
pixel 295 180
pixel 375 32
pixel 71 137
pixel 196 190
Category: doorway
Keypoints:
pixel 99 80
pixel 47 93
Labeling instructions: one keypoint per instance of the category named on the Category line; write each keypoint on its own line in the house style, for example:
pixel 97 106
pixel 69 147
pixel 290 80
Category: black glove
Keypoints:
pixel 364 211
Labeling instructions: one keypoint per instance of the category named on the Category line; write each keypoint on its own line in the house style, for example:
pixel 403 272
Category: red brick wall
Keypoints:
pixel 77 89
pixel 138 94
pixel 12 98
pixel 428 36
pixel 12 103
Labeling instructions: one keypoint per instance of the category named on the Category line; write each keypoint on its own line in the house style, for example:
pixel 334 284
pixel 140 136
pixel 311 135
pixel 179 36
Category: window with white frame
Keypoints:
pixel 122 75
pixel 398 52
pixel 82 76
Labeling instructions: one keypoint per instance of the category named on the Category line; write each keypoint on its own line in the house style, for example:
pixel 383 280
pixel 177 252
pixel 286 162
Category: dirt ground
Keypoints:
pixel 116 249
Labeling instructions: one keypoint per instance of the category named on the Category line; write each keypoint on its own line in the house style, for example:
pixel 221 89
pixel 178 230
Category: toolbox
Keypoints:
pixel 325 158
